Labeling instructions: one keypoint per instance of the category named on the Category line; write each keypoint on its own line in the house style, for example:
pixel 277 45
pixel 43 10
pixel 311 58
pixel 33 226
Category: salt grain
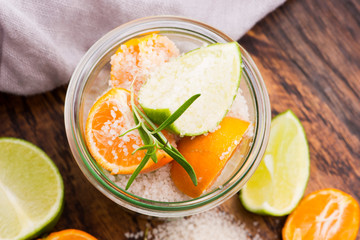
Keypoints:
pixel 113 114
pixel 213 224
pixel 239 108
pixel 156 185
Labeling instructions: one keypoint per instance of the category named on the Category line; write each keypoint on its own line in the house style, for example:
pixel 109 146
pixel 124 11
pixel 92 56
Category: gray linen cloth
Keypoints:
pixel 41 41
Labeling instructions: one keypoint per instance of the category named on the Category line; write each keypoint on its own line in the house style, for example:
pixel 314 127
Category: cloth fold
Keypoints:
pixel 42 41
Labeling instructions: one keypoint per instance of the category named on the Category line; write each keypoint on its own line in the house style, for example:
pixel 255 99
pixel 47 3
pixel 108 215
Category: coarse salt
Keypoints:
pixel 211 225
pixel 156 185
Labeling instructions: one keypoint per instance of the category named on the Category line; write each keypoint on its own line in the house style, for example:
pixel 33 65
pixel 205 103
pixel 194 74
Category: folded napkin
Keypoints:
pixel 42 41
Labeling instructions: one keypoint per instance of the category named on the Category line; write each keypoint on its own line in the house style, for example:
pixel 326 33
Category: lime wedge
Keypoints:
pixel 31 190
pixel 213 71
pixel 281 178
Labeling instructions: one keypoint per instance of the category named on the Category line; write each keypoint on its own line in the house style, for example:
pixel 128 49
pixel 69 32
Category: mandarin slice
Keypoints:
pixel 207 154
pixel 325 214
pixel 137 57
pixel 70 234
pixel 109 117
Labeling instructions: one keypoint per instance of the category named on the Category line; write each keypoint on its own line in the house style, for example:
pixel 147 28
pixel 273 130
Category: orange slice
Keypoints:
pixel 137 57
pixel 70 234
pixel 326 214
pixel 109 117
pixel 207 154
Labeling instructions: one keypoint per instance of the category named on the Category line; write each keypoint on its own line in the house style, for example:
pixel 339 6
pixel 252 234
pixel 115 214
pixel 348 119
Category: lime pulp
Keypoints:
pixel 31 190
pixel 281 178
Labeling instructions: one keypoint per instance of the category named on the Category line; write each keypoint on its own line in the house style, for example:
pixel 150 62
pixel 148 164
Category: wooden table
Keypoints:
pixel 309 55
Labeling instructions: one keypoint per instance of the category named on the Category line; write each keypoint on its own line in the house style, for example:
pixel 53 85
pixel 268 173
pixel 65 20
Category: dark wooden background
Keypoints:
pixel 308 52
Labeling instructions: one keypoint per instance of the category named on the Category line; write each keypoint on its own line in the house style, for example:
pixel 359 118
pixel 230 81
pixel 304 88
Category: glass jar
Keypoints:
pixel 90 80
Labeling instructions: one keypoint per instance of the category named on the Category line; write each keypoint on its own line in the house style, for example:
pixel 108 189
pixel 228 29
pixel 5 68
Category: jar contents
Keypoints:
pixel 171 125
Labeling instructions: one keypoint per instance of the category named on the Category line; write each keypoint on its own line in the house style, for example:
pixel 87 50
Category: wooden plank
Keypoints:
pixel 309 55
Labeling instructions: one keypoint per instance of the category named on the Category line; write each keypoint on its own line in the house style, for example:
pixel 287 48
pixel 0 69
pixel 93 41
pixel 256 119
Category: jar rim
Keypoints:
pixel 119 195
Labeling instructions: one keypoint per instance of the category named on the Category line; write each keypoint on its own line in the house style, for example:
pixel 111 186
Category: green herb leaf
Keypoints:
pixel 153 154
pixel 171 151
pixel 160 136
pixel 130 130
pixel 146 118
pixel 145 147
pixel 147 140
pixel 177 113
pixel 137 171
pixel 176 155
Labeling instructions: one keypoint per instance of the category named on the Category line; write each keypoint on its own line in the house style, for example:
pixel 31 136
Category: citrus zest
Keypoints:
pixel 207 154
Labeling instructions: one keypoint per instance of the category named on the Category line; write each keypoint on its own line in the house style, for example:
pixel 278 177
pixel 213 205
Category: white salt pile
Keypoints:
pixel 213 224
pixel 239 108
pixel 156 185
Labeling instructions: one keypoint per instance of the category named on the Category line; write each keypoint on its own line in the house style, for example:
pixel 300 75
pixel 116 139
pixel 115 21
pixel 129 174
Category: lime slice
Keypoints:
pixel 213 71
pixel 281 178
pixel 31 190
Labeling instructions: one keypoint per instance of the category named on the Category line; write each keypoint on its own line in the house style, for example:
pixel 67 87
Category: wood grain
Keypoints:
pixel 309 55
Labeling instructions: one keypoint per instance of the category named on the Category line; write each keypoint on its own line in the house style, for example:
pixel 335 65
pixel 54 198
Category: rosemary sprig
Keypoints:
pixel 153 139
pixel 176 114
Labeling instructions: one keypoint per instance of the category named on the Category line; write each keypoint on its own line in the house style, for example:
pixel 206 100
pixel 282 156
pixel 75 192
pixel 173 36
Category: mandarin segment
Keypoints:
pixel 70 234
pixel 137 57
pixel 325 214
pixel 207 154
pixel 109 117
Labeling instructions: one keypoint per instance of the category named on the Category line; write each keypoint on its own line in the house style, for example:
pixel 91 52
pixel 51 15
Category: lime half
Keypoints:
pixel 31 190
pixel 279 182
pixel 213 71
